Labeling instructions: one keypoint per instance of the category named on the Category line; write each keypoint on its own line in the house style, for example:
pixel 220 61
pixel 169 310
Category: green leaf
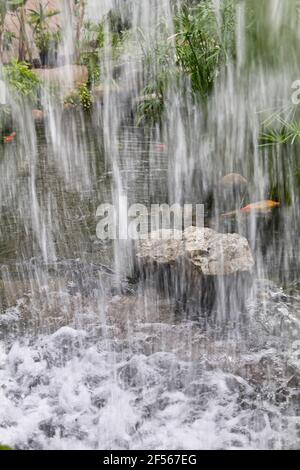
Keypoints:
pixel 2 447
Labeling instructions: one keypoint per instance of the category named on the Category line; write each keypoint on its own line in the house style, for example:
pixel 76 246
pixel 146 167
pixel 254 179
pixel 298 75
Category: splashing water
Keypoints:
pixel 94 357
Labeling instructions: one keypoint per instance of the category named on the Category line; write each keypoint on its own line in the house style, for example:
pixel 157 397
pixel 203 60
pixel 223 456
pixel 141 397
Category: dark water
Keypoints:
pixel 92 360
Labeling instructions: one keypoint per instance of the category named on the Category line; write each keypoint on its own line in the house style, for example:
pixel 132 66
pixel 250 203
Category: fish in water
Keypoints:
pixel 161 146
pixel 10 138
pixel 261 207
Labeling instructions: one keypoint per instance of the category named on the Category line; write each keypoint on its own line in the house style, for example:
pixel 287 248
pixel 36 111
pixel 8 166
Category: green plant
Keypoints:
pixel 85 96
pixel 93 39
pixel 5 121
pixel 278 129
pixel 16 6
pixel 22 80
pixel 201 44
pixel 44 38
pixel 47 41
pixel 93 36
pixel 90 47
pixel 2 447
pixel 92 63
pixel 8 38
pixel 39 18
pixel 80 97
pixel 150 107
pixel 159 69
pixel 195 54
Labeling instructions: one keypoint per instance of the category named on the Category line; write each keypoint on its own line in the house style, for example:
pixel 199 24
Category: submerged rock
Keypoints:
pixel 234 180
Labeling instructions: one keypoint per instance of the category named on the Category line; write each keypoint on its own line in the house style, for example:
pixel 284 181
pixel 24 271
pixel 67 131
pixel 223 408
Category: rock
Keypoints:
pixel 210 252
pixel 67 77
pixel 161 248
pixel 37 114
pixel 233 180
pixel 204 267
pixel 217 254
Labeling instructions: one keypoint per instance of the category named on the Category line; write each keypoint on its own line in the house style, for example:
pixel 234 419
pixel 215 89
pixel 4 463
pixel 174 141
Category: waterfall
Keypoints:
pixel 100 348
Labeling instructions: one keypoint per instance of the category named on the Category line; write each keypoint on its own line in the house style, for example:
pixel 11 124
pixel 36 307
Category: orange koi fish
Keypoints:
pixel 10 138
pixel 261 207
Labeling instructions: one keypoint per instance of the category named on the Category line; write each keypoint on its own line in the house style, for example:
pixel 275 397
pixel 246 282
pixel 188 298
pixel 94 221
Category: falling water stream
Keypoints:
pixel 91 356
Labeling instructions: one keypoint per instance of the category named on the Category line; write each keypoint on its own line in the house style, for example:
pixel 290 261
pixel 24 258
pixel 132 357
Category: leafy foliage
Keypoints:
pixel 10 5
pixel 280 130
pixel 80 97
pixel 92 43
pixel 5 7
pixel 39 18
pixel 22 80
pixel 159 68
pixel 91 60
pixel 201 44
pixel 85 97
pixel 2 447
pixel 151 107
pixel 94 38
pixel 39 21
pixel 8 37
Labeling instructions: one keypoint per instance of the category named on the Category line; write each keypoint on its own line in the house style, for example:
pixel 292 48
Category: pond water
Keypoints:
pixel 89 363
